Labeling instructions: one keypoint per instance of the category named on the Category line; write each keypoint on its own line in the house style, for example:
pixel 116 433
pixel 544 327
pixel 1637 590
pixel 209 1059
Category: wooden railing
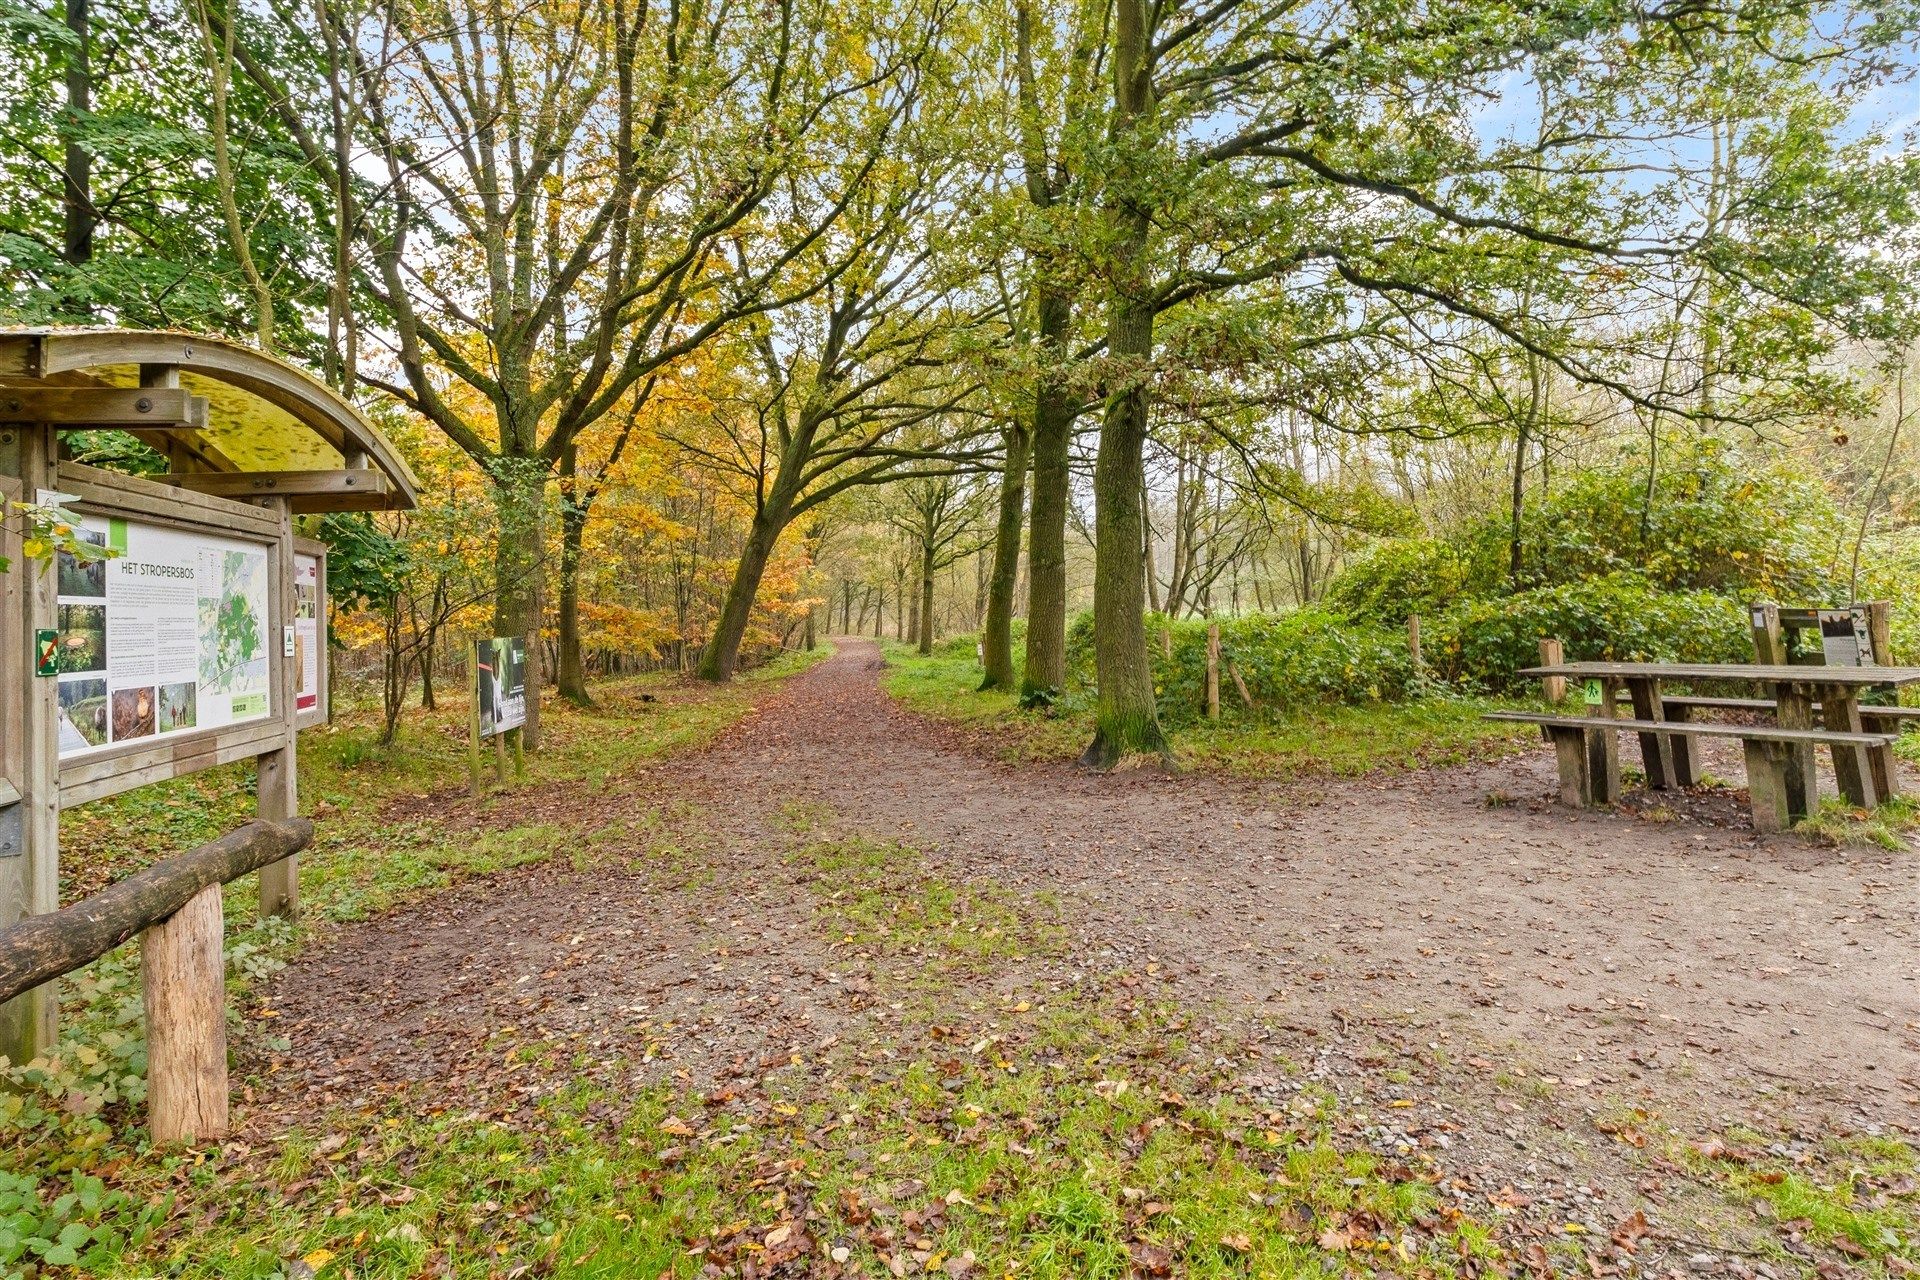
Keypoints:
pixel 177 903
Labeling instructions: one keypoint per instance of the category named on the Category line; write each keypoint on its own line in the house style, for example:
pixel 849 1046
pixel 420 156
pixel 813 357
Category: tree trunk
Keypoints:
pixel 571 676
pixel 519 501
pixel 1146 551
pixel 996 639
pixel 519 492
pixel 393 673
pixel 1125 720
pixel 722 654
pixel 926 597
pixel 1516 559
pixel 77 164
pixel 1044 675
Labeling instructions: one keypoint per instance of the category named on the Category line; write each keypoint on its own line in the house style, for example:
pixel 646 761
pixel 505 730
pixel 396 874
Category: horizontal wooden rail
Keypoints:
pixel 41 948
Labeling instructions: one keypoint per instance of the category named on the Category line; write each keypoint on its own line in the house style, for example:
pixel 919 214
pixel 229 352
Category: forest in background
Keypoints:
pixel 709 329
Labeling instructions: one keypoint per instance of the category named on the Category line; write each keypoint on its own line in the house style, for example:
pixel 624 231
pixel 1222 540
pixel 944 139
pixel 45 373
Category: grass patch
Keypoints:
pixel 946 686
pixel 1341 740
pixel 1854 1196
pixel 358 790
pixel 882 897
pixel 1840 824
pixel 78 1186
pixel 1092 1140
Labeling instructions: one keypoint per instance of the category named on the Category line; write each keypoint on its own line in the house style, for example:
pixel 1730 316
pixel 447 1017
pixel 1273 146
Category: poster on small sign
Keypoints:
pixel 501 677
pixel 306 630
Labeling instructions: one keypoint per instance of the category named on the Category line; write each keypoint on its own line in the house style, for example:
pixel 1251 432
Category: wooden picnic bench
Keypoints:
pixel 1589 777
pixel 1681 707
pixel 1813 706
pixel 1687 702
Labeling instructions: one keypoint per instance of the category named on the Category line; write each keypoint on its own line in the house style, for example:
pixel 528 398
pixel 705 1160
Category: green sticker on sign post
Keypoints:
pixel 46 652
pixel 1594 694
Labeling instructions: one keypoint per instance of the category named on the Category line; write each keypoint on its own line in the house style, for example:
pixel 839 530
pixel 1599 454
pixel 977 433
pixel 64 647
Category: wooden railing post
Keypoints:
pixel 1552 654
pixel 1213 671
pixel 1413 643
pixel 186 1002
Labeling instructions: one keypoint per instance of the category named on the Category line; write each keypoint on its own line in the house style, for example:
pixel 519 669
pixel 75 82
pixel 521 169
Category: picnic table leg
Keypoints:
pixel 1603 747
pixel 1576 777
pixel 1840 709
pixel 1769 764
pixel 1686 751
pixel 1656 749
pixel 1886 772
pixel 1794 710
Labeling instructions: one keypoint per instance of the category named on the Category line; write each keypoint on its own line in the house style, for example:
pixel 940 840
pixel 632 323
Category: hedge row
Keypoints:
pixel 1318 655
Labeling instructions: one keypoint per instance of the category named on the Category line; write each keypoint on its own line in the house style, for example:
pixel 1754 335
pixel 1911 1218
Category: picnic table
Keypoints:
pixel 1819 701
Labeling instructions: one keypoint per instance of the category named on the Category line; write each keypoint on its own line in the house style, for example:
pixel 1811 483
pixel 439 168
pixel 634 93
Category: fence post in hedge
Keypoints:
pixel 1552 654
pixel 1213 671
pixel 1413 643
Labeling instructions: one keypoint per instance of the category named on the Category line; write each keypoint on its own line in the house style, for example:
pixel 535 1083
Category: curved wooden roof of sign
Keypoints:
pixel 239 423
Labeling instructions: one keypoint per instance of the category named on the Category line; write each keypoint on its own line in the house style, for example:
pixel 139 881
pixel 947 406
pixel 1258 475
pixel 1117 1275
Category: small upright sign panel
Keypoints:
pixel 305 651
pixel 1845 639
pixel 501 674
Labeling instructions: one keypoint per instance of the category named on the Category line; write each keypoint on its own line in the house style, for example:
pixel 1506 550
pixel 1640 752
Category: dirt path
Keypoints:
pixel 1685 968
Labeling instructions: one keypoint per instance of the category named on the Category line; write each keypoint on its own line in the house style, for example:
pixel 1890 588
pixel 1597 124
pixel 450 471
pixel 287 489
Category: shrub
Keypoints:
pixel 1889 566
pixel 1305 657
pixel 1618 617
pixel 1404 576
pixel 1718 521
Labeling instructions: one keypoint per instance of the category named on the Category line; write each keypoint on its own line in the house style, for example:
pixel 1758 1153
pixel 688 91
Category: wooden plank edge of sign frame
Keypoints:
pixel 96 407
pixel 84 780
pixel 284 484
pixel 136 498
